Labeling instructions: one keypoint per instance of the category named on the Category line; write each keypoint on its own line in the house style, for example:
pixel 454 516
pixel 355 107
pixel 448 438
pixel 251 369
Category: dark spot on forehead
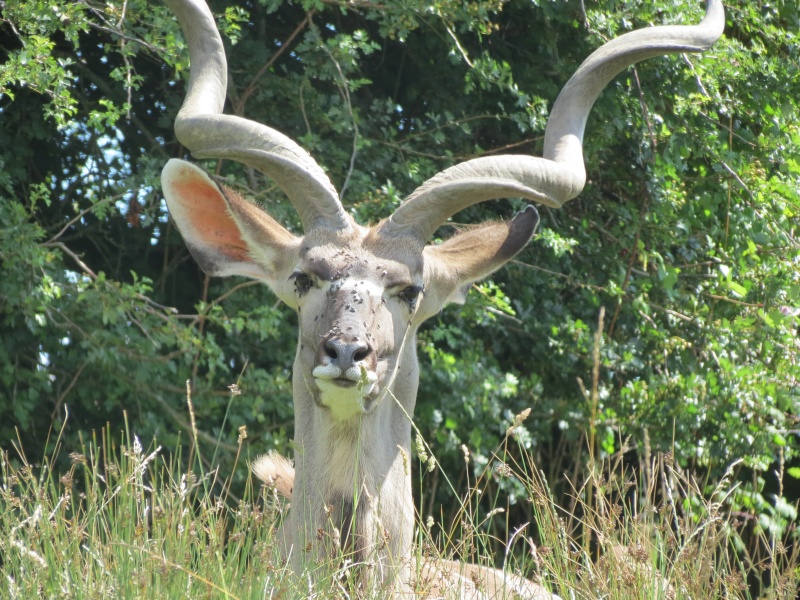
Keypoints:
pixel 364 259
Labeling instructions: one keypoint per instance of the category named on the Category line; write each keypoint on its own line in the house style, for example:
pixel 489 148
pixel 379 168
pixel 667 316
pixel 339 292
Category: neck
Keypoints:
pixel 352 490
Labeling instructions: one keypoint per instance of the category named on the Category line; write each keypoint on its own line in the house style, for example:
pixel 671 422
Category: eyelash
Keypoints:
pixel 302 282
pixel 410 295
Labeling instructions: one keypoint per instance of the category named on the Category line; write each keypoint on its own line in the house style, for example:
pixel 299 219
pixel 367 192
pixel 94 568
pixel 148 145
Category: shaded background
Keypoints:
pixel 685 233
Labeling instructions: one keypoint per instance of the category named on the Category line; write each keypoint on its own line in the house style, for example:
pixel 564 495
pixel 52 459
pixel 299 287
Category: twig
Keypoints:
pixel 113 31
pixel 733 301
pixel 645 112
pixel 79 216
pixel 85 268
pixel 61 246
pixel 512 145
pixel 696 75
pixel 569 278
pixel 251 87
pixel 126 60
pixel 109 92
pixel 303 107
pixel 63 394
pixel 201 320
pixel 737 178
pixel 458 45
pixel 678 315
pixel 729 186
pixel 634 252
pixel 345 93
pixel 729 129
pixel 231 291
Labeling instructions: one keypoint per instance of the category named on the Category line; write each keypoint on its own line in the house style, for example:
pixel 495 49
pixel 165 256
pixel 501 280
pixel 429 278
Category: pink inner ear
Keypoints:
pixel 208 217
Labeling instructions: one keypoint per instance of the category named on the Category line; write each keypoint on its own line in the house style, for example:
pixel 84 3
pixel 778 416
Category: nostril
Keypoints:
pixel 361 354
pixel 330 349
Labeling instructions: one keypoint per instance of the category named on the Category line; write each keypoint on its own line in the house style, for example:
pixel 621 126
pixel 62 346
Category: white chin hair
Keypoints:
pixel 344 402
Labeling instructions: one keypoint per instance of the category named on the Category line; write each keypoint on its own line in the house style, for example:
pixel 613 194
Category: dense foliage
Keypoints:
pixel 686 234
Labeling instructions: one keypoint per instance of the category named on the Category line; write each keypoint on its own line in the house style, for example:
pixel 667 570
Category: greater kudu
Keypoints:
pixel 362 292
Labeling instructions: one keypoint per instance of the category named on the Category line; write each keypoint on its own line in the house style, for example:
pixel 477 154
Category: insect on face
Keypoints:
pixel 356 308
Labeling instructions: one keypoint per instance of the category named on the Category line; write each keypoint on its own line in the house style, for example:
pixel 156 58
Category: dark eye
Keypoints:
pixel 410 295
pixel 302 282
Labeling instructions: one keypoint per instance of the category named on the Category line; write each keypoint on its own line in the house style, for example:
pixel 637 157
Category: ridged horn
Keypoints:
pixel 560 175
pixel 207 133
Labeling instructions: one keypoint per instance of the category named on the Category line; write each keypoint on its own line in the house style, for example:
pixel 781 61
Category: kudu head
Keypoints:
pixel 362 291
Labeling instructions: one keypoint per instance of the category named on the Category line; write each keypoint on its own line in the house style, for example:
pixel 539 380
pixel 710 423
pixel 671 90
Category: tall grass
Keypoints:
pixel 128 521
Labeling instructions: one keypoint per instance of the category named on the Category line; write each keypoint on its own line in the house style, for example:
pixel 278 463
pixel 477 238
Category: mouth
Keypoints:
pixel 353 387
pixel 355 376
pixel 343 382
pixel 346 394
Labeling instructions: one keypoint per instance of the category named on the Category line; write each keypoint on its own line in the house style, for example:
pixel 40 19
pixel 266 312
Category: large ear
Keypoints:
pixel 474 253
pixel 226 234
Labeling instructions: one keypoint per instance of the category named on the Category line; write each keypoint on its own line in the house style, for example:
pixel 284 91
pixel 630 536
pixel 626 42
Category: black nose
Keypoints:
pixel 344 354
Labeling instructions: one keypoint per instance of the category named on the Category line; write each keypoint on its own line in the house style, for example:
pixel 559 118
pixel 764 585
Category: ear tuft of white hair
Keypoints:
pixel 276 472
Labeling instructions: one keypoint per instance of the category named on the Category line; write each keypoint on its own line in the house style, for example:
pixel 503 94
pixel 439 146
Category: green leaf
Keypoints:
pixel 737 289
pixel 669 276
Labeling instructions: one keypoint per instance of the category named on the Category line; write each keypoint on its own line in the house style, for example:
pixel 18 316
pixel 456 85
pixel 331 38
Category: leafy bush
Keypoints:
pixel 685 235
